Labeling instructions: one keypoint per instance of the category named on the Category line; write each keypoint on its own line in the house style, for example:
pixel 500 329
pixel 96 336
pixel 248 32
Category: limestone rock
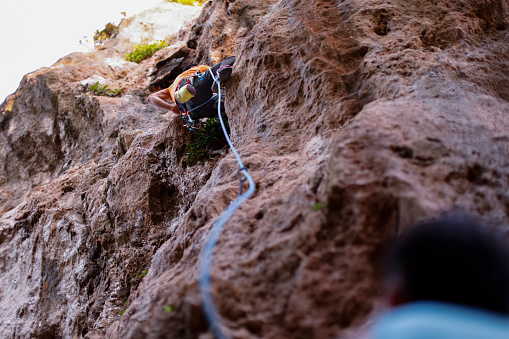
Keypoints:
pixel 355 119
pixel 158 23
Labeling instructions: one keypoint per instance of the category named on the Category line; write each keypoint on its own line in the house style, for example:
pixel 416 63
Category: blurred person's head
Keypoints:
pixel 453 259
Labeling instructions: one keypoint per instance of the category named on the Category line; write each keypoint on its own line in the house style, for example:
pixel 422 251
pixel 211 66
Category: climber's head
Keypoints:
pixel 453 259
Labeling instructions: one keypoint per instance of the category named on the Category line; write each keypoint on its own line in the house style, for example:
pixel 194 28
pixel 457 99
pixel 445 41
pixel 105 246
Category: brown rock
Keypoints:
pixel 355 120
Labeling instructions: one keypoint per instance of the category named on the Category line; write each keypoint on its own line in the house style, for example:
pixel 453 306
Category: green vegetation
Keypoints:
pixel 143 273
pixel 188 2
pixel 126 306
pixel 109 31
pixel 104 90
pixel 207 139
pixel 142 52
pixel 169 308
pixel 318 206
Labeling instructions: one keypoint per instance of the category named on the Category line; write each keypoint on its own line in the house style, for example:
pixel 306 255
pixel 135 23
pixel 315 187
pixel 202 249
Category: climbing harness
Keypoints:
pixel 191 123
pixel 209 307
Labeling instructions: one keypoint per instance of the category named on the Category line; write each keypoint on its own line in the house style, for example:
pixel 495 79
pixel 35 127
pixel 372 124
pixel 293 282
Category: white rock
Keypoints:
pixel 117 62
pixel 157 23
pixel 93 80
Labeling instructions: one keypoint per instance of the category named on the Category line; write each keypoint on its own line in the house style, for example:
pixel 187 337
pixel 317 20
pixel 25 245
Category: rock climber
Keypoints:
pixel 447 278
pixel 194 91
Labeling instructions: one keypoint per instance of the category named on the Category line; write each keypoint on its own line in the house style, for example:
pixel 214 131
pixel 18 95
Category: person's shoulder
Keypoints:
pixel 193 70
pixel 200 68
pixel 439 321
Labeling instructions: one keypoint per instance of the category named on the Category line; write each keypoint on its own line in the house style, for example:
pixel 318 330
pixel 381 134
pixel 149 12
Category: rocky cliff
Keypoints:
pixel 355 118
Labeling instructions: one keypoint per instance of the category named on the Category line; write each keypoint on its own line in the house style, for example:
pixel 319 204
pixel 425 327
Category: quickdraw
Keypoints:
pixel 193 125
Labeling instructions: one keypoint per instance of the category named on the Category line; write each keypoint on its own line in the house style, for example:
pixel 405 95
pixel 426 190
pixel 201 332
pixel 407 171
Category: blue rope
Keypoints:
pixel 209 307
pixel 206 102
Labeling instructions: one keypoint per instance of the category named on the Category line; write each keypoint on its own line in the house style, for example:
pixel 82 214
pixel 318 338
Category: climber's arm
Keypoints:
pixel 160 99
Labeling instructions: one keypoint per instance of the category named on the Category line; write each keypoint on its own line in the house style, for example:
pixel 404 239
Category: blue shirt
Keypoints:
pixel 433 320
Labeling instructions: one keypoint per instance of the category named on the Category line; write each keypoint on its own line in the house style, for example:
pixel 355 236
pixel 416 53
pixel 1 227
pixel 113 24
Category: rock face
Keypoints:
pixel 355 118
pixel 157 23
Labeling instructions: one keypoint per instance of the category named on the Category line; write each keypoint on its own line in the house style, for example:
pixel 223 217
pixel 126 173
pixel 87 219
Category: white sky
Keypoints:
pixel 36 33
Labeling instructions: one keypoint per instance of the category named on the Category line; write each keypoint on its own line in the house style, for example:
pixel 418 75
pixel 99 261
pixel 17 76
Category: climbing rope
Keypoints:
pixel 209 307
pixel 206 102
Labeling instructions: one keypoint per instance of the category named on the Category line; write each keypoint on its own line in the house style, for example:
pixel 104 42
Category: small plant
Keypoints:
pixel 318 206
pixel 142 52
pixel 207 139
pixel 125 309
pixel 188 2
pixel 96 89
pixel 109 31
pixel 169 308
pixel 143 273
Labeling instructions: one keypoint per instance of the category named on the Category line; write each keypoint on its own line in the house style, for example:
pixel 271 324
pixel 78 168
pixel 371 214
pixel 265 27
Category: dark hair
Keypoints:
pixel 189 66
pixel 453 259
